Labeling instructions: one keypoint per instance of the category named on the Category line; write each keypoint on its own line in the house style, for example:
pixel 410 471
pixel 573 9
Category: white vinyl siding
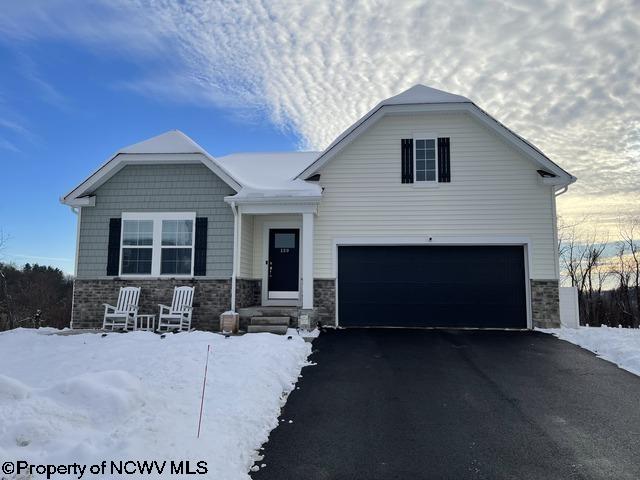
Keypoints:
pixel 494 191
pixel 246 248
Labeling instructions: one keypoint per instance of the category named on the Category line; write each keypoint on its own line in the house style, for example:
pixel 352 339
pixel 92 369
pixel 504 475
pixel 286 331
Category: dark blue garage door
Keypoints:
pixel 432 286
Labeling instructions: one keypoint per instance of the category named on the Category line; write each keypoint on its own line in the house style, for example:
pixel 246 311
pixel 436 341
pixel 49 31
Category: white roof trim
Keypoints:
pixel 275 200
pixel 88 201
pixel 483 117
pixel 122 158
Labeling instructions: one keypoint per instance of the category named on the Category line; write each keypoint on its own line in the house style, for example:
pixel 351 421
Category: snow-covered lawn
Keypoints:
pixel 618 345
pixel 135 396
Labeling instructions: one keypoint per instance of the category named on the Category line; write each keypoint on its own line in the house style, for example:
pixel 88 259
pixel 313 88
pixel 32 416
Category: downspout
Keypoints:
pixel 234 209
pixel 78 212
pixel 561 191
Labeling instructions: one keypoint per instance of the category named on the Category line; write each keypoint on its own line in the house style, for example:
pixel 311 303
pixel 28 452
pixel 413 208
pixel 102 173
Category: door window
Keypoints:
pixel 284 241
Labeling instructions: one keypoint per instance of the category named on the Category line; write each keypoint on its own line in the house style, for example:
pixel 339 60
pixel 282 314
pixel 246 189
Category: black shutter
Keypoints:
pixel 200 254
pixel 444 161
pixel 407 160
pixel 113 250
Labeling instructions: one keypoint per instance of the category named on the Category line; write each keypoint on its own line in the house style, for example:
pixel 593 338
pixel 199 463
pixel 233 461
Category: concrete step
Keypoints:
pixel 277 329
pixel 259 311
pixel 270 321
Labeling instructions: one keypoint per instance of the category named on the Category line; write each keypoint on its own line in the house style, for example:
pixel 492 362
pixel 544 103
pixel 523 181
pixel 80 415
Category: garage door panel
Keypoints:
pixel 421 293
pixel 432 286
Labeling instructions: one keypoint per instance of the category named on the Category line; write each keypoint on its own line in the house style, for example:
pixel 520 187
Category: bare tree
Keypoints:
pixel 582 258
pixel 608 284
pixel 629 229
pixel 568 249
pixel 622 298
pixel 6 317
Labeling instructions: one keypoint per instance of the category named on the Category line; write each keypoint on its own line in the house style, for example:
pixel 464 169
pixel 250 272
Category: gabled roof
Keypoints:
pixel 421 98
pixel 277 174
pixel 173 141
pixel 169 147
pixel 423 94
pixel 270 174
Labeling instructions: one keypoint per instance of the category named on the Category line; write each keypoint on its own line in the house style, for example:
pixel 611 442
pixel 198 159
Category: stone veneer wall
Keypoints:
pixel 211 298
pixel 545 303
pixel 324 300
pixel 248 292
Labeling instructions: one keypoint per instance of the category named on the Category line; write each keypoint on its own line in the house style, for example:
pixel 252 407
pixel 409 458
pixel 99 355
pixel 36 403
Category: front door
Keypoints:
pixel 284 263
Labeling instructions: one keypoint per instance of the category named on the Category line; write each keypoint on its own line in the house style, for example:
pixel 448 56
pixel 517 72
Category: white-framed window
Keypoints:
pixel 425 159
pixel 137 247
pixel 157 244
pixel 177 247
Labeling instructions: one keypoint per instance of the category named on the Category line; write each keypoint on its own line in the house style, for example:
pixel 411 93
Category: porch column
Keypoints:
pixel 236 254
pixel 307 261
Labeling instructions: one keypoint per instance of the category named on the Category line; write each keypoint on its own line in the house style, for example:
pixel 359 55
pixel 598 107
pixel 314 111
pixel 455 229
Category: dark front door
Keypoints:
pixel 432 286
pixel 283 267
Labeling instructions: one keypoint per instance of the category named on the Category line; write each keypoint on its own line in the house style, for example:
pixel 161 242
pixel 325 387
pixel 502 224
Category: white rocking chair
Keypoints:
pixel 125 313
pixel 178 315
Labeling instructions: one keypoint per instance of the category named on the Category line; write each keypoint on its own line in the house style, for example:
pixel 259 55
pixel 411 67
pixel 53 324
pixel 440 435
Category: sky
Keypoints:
pixel 81 79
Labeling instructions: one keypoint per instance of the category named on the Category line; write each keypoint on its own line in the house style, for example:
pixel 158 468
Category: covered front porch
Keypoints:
pixel 273 261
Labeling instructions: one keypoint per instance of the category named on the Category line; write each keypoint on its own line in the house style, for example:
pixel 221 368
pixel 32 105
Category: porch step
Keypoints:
pixel 277 329
pixel 247 314
pixel 270 321
pixel 271 311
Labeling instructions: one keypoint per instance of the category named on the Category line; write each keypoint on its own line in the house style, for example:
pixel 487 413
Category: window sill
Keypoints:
pixel 155 277
pixel 425 185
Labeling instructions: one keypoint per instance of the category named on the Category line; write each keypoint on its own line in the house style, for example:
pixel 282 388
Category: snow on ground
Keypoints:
pixel 86 398
pixel 315 333
pixel 618 345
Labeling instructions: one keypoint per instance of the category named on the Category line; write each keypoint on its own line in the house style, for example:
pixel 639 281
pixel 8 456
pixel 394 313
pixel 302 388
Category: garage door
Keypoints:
pixel 432 286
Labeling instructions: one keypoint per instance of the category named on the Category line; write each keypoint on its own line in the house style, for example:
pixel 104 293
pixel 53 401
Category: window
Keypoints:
pixel 137 246
pixel 426 160
pixel 284 240
pixel 177 247
pixel 157 244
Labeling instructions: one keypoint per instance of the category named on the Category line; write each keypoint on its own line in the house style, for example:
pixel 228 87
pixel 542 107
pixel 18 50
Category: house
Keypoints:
pixel 426 212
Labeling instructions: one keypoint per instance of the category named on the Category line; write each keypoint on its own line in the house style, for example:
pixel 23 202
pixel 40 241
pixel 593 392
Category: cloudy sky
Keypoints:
pixel 82 79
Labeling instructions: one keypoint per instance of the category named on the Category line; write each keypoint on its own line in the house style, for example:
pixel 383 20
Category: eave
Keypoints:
pixel 121 160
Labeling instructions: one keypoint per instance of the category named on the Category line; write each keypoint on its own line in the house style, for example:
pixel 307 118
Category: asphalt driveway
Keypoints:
pixel 418 404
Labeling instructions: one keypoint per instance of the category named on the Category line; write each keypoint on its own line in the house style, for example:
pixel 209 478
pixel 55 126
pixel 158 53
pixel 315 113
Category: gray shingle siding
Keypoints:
pixel 158 188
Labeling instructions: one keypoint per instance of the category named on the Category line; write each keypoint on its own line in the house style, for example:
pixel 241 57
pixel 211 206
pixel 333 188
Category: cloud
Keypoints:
pixel 116 26
pixel 12 130
pixel 7 145
pixel 39 257
pixel 565 75
pixel 28 69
